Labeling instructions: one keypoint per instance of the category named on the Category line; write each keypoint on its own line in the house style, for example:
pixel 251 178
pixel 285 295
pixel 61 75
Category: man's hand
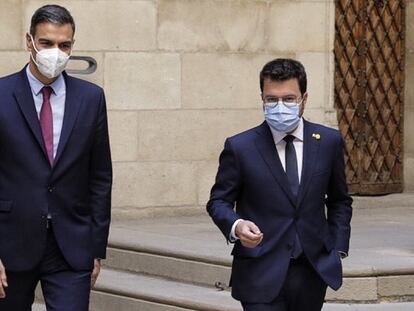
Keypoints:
pixel 3 280
pixel 248 233
pixel 95 272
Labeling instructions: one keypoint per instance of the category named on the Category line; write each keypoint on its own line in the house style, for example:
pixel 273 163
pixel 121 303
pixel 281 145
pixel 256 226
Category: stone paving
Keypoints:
pixel 381 246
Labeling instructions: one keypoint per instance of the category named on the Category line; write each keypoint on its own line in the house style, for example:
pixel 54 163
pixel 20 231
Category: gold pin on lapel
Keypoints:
pixel 317 136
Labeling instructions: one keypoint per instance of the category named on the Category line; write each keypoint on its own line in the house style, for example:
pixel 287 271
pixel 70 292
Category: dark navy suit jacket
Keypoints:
pixel 76 191
pixel 251 179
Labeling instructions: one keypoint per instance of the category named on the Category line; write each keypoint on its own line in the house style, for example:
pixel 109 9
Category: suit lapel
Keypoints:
pixel 72 105
pixel 266 146
pixel 24 98
pixel 310 152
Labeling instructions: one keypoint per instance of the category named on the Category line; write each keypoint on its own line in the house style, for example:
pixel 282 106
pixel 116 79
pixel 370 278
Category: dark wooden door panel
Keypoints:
pixel 369 87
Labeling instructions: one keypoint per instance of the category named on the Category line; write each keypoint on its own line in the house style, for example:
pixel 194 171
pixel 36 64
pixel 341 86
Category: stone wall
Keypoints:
pixel 409 101
pixel 182 75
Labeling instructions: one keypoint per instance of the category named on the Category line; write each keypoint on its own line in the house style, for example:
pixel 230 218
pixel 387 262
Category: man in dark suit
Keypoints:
pixel 55 174
pixel 285 178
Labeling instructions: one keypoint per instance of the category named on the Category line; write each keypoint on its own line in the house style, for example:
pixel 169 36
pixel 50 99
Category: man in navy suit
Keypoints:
pixel 55 174
pixel 281 196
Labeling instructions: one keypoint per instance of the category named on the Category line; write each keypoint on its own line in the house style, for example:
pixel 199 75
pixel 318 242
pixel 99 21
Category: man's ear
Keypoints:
pixel 261 96
pixel 304 99
pixel 29 43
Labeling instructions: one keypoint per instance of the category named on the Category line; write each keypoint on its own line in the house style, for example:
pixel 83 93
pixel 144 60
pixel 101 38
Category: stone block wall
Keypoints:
pixel 409 100
pixel 182 75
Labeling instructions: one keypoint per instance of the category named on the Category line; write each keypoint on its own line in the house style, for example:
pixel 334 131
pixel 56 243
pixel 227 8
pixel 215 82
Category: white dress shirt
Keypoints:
pixel 57 102
pixel 280 147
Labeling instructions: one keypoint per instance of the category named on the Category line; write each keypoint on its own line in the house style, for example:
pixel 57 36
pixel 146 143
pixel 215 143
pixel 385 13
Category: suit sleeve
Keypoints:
pixel 100 183
pixel 225 191
pixel 339 202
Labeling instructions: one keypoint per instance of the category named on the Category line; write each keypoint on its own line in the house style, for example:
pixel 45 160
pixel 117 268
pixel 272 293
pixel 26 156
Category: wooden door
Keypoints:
pixel 369 88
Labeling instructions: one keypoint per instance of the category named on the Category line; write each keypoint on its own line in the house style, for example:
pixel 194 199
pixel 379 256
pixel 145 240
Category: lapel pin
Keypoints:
pixel 317 136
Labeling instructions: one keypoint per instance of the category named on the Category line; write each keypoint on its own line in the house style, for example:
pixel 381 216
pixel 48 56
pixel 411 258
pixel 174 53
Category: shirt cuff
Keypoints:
pixel 343 254
pixel 233 238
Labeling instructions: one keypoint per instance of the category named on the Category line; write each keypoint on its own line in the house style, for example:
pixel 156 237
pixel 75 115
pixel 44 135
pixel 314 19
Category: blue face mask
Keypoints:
pixel 281 118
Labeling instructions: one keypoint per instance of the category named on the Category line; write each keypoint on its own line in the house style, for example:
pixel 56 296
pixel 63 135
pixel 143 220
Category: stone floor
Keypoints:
pixel 382 244
pixel 381 240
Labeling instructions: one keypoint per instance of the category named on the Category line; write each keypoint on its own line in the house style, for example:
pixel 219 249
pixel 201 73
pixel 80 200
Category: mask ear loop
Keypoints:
pixel 70 53
pixel 37 51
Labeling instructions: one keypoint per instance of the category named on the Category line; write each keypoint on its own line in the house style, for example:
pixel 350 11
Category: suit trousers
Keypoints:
pixel 302 290
pixel 63 289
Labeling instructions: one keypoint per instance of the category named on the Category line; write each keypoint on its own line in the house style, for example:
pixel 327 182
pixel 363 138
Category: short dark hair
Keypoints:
pixel 51 13
pixel 282 69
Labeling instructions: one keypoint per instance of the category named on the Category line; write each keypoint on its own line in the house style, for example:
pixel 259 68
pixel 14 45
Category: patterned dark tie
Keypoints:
pixel 293 178
pixel 46 122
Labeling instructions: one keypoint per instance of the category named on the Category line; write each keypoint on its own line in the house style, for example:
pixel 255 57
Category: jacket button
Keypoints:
pixel 50 189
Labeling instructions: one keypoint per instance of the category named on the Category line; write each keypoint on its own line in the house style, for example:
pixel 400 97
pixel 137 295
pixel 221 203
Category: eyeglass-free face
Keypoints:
pixel 49 36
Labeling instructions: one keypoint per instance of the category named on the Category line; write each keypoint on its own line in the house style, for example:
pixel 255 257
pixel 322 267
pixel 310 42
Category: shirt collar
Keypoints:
pixel 298 133
pixel 58 86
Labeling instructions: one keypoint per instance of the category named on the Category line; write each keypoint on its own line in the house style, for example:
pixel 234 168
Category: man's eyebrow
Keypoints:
pixel 287 95
pixel 45 40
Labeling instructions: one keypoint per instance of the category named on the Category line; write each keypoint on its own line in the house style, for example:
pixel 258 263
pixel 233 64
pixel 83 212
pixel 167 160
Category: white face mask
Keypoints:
pixel 50 62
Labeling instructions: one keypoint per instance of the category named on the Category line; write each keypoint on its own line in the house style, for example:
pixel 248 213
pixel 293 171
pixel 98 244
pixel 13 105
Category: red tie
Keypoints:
pixel 46 122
